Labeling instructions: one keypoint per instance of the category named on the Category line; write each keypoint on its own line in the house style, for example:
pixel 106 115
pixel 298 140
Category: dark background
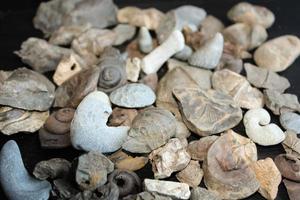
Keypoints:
pixel 16 26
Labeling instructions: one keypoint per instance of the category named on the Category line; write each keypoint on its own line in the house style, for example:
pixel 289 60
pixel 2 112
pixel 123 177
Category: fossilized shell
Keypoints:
pixel 226 168
pixel 150 129
pixel 207 112
pixel 192 174
pixel 291 144
pixel 289 166
pixel 198 148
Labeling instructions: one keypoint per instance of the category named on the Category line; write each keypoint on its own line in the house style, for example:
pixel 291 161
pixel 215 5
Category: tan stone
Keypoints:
pixel 192 174
pixel 198 148
pixel 133 68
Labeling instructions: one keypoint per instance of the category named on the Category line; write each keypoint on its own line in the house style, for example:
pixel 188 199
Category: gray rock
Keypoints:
pixel 190 16
pixel 203 194
pixel 145 40
pixel 134 95
pixel 124 32
pixel 15 180
pixel 88 128
pixel 290 121
pixel 64 189
pixel 184 54
pixel 28 90
pixel 147 196
pixel 230 62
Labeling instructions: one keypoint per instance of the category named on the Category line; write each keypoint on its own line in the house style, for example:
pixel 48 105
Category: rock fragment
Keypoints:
pixel 151 80
pixel 192 174
pixel 290 121
pixel 203 194
pixel 198 148
pixel 293 189
pixel 184 54
pixel 230 62
pixel 147 196
pixel 210 26
pixel 291 144
pixel 124 33
pixel 133 68
pixel 62 188
pixel 122 116
pixel 145 40
pixel 289 166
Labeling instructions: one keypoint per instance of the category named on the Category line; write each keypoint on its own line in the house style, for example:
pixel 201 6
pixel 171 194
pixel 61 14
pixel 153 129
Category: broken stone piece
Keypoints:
pixel 40 55
pixel 293 189
pixel 52 169
pixel 239 88
pixel 230 62
pixel 124 33
pixel 278 54
pixel 291 144
pixel 27 89
pixel 203 194
pixel 149 18
pixel 290 121
pixel 169 188
pixel 263 78
pixel 268 176
pixel 133 68
pixel 92 169
pixel 210 26
pixel 169 158
pixel 198 148
pixel 150 129
pixel 194 39
pixel 289 166
pixel 133 50
pixel 147 196
pixel 207 112
pixel 64 189
pixel 151 80
pixel 192 174
pixel 14 120
pixel 122 116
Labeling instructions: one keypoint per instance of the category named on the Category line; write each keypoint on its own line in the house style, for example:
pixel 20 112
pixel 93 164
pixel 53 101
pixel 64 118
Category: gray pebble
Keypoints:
pixel 290 121
pixel 145 40
pixel 124 32
pixel 15 180
pixel 190 15
pixel 184 54
pixel 64 189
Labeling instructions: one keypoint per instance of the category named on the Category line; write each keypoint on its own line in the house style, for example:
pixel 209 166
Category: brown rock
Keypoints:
pixel 150 80
pixel 210 26
pixel 194 39
pixel 293 189
pixel 122 117
pixel 198 149
pixel 291 144
pixel 268 176
pixel 236 51
pixel 289 166
pixel 192 174
pixel 207 112
pixel 133 50
pixel 230 62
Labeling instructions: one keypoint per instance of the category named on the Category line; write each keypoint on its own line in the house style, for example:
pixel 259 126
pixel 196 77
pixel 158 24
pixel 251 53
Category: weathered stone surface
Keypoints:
pixel 278 54
pixel 27 89
pixel 13 120
pixel 134 95
pixel 268 176
pixel 293 189
pixel 169 158
pixel 264 78
pixel 291 144
pixel 122 116
pixel 279 103
pixel 89 130
pixel 149 18
pixel 64 189
pixel 147 196
pixel 230 62
pixel 52 169
pixel 150 129
pixel 210 26
pixel 198 148
pixel 92 170
pixel 226 168
pixel 290 121
pixel 289 166
pixel 173 189
pixel 124 33
pixel 239 88
pixel 245 35
pixel 40 55
pixel 192 174
pixel 251 14
pixel 151 80
pixel 207 112
pixel 203 194
pixel 15 180
pixel 133 68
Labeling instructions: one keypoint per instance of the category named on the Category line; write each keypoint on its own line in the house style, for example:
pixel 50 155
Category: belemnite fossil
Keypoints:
pixel 134 89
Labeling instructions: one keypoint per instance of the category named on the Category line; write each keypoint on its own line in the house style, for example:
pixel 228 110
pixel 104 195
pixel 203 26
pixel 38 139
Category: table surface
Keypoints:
pixel 16 26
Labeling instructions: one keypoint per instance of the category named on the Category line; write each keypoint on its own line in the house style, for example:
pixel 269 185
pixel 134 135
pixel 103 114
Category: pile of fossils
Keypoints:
pixel 113 106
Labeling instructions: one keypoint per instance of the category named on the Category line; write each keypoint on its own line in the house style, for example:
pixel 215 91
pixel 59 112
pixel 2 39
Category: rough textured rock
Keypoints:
pixel 207 112
pixel 64 189
pixel 89 130
pixel 149 18
pixel 279 103
pixel 210 26
pixel 134 51
pixel 134 95
pixel 40 55
pixel 195 39
pixel 264 78
pixel 268 176
pixel 147 196
pixel 239 88
pixel 291 144
pixel 278 54
pixel 92 170
pixel 122 117
pixel 13 120
pixel 293 189
pixel 173 189
pixel 27 89
pixel 53 169
pixel 226 168
pixel 124 33
pixel 230 62
pixel 203 194
pixel 192 174
pixel 150 129
pixel 133 69
pixel 289 166
pixel 290 121
pixel 198 148
pixel 151 80
pixel 12 171
pixel 169 158
pixel 251 14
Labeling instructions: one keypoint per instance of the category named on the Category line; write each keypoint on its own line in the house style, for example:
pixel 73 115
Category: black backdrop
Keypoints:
pixel 16 26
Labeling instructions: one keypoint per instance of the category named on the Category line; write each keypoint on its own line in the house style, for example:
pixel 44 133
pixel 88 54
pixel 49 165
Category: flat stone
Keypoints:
pixel 291 144
pixel 134 95
pixel 192 174
pixel 293 189
pixel 239 88
pixel 268 176
pixel 28 90
pixel 230 62
pixel 12 171
pixel 168 188
pixel 147 196
pixel 150 129
pixel 89 130
pixel 41 55
pixel 289 166
pixel 92 170
pixel 169 158
pixel 198 148
pixel 15 120
pixel 203 194
pixel 264 78
pixel 124 33
pixel 290 121
pixel 207 112
pixel 278 54
pixel 122 116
